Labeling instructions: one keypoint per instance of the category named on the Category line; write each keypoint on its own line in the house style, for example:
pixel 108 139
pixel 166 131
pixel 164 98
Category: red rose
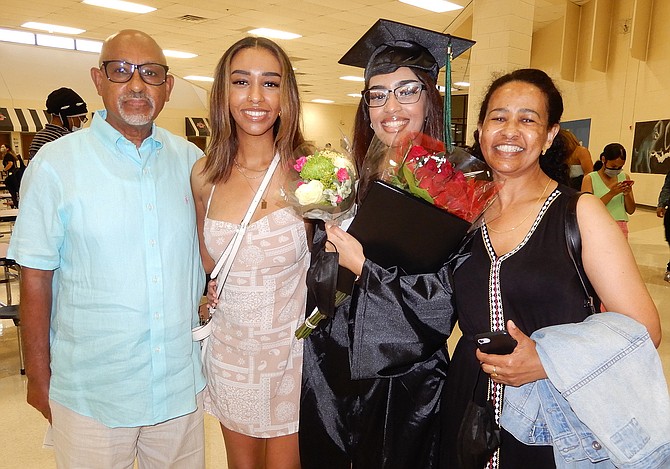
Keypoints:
pixel 447 169
pixel 416 152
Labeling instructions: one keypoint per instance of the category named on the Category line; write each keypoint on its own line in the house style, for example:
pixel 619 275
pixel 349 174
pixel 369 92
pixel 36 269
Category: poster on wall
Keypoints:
pixel 651 147
pixel 580 128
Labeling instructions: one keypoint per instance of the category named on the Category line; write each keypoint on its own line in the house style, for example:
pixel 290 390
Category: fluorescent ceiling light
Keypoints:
pixel 120 5
pixel 198 78
pixel 52 28
pixel 55 41
pixel 323 101
pixel 178 54
pixel 437 6
pixel 86 45
pixel 20 37
pixel 273 34
pixel 464 84
pixel 352 78
pixel 354 95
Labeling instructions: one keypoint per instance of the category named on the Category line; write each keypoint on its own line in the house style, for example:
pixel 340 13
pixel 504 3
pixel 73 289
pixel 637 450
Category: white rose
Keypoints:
pixel 341 162
pixel 310 193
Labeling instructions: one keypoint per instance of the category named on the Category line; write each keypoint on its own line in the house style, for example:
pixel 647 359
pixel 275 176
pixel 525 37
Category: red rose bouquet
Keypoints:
pixel 457 182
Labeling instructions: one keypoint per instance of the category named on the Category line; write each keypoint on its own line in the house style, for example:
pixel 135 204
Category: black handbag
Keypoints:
pixel 478 435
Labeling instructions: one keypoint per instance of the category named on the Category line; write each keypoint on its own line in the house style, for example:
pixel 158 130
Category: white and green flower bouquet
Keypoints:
pixel 323 186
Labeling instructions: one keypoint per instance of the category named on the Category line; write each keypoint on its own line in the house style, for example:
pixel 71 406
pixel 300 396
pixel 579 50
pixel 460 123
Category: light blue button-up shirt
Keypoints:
pixel 117 226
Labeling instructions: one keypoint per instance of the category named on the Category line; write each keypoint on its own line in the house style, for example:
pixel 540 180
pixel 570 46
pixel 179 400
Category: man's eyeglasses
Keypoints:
pixel 409 93
pixel 120 71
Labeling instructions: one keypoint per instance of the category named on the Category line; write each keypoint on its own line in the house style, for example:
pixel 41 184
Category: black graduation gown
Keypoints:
pixel 373 375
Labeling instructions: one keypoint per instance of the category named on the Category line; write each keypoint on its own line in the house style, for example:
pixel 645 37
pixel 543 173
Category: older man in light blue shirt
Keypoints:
pixel 111 281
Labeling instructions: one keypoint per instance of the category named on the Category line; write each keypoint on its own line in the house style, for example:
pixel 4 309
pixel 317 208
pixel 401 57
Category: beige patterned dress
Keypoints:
pixel 253 360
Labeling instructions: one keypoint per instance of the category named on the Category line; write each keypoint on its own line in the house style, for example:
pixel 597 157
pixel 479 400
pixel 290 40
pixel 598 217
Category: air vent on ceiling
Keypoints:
pixel 192 19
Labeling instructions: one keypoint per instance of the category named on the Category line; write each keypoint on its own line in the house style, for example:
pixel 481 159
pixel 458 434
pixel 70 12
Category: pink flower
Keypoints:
pixel 342 174
pixel 338 199
pixel 300 183
pixel 299 163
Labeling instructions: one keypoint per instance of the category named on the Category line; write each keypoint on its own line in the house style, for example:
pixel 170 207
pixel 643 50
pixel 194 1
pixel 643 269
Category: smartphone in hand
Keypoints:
pixel 497 342
pixel 627 182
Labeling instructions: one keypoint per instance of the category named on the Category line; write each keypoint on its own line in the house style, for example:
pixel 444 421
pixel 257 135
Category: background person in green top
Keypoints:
pixel 612 185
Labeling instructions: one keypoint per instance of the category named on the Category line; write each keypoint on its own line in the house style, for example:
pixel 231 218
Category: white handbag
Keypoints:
pixel 223 265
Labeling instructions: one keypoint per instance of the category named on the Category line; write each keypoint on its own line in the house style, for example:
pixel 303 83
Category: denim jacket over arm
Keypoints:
pixel 605 396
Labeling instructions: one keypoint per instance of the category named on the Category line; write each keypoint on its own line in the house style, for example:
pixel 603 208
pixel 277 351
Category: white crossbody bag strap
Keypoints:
pixel 225 262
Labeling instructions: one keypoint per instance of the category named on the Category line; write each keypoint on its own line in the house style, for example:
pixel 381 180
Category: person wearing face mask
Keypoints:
pixel 384 414
pixel 68 114
pixel 612 185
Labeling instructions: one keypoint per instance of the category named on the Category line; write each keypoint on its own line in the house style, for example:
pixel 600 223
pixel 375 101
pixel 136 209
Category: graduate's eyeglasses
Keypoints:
pixel 120 71
pixel 408 93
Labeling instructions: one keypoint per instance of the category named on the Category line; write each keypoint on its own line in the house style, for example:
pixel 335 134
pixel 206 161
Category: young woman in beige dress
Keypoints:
pixel 253 361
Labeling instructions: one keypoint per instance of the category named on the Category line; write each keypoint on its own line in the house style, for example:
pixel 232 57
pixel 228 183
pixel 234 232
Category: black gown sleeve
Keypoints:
pixel 397 321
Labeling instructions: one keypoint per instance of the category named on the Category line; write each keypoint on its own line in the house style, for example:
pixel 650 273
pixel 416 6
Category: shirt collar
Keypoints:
pixel 113 138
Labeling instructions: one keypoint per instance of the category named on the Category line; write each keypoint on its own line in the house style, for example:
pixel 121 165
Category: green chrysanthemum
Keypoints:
pixel 319 167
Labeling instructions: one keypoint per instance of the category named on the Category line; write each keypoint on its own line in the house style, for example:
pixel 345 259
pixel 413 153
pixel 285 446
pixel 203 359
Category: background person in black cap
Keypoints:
pixel 384 416
pixel 68 113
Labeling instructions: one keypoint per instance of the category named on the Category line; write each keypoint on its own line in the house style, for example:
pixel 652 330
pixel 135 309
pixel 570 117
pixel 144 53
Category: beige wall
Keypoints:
pixel 327 123
pixel 629 91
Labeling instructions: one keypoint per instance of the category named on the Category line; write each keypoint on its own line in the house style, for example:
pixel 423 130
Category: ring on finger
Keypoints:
pixel 494 373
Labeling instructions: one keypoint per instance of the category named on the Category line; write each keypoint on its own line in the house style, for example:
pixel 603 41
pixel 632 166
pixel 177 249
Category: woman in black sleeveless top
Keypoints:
pixel 519 277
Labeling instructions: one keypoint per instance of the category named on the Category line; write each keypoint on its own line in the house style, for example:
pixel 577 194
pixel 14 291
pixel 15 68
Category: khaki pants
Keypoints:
pixel 82 442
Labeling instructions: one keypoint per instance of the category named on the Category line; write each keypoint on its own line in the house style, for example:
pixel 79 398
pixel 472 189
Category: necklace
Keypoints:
pixel 488 226
pixel 241 170
pixel 264 203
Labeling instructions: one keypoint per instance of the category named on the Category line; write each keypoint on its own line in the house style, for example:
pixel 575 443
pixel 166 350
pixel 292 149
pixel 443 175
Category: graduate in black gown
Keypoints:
pixel 382 412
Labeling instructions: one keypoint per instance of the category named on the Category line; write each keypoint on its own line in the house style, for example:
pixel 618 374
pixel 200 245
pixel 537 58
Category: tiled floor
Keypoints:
pixel 22 428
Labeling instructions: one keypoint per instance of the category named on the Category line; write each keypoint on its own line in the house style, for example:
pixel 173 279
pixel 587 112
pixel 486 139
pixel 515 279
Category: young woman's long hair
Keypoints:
pixel 224 142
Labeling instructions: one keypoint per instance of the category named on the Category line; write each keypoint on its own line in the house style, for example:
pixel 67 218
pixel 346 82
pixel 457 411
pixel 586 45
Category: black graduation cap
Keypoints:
pixel 389 45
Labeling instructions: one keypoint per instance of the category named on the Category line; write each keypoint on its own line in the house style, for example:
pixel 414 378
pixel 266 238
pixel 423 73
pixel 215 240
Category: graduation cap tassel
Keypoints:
pixel 449 144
